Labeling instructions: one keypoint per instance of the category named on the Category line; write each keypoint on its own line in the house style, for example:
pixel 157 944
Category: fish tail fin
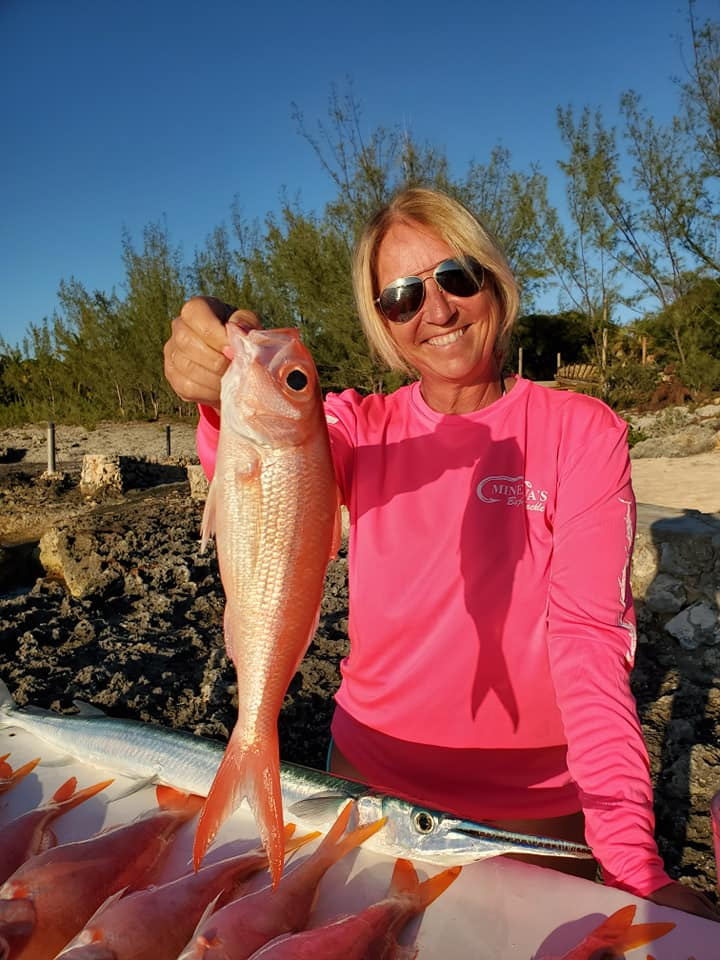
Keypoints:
pixel 404 879
pixel 294 843
pixel 336 845
pixel 251 772
pixel 66 796
pixel 15 776
pixel 405 882
pixel 641 933
pixel 619 931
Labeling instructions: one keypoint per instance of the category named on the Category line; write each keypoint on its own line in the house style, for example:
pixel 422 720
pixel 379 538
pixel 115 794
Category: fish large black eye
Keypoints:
pixel 424 822
pixel 296 380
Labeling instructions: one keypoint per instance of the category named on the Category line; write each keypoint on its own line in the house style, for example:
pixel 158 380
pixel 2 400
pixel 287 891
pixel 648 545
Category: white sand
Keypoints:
pixel 686 483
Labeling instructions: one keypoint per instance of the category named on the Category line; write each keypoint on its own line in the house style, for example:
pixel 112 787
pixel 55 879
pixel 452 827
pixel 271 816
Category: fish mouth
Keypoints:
pixel 524 842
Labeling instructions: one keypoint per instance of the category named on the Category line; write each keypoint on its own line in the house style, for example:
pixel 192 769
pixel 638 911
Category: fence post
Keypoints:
pixel 520 361
pixel 168 444
pixel 51 447
pixel 558 363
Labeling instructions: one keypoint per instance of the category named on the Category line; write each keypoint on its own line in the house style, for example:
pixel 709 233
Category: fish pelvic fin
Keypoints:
pixel 252 772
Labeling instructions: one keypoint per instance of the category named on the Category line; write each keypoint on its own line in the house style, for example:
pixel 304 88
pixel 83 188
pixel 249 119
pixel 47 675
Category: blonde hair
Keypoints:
pixel 464 234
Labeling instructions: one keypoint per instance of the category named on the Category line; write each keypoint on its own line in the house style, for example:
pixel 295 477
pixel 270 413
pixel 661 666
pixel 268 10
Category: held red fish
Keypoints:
pixel 614 936
pixel 31 832
pixel 371 934
pixel 272 506
pixel 51 896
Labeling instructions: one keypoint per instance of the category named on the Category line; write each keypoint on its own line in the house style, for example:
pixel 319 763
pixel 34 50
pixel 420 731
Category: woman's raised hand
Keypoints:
pixel 194 358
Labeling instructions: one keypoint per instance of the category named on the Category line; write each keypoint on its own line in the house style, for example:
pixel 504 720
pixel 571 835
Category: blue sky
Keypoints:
pixel 118 114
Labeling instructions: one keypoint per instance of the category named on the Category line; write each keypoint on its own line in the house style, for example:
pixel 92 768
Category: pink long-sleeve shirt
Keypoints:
pixel 491 623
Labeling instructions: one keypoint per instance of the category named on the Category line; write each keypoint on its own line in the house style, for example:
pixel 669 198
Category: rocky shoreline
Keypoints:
pixel 142 637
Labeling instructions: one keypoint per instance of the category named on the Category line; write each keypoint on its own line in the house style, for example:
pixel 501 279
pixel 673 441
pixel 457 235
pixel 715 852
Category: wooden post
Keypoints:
pixel 644 351
pixel 558 362
pixel 168 444
pixel 51 447
pixel 520 361
pixel 604 348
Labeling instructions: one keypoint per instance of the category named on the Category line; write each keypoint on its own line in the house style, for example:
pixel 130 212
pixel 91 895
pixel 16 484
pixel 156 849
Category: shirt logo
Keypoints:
pixel 513 492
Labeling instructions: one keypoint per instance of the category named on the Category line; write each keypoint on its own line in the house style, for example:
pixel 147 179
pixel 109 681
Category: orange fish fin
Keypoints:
pixel 68 798
pixel 15 776
pixel 168 798
pixel 344 844
pixel 614 927
pixel 641 933
pixel 404 878
pixel 207 528
pixel 293 844
pixel 65 790
pixel 405 882
pixel 252 773
pixel 17 919
pixel 431 889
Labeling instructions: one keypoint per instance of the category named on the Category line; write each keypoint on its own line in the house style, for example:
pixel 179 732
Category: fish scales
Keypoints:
pixel 273 508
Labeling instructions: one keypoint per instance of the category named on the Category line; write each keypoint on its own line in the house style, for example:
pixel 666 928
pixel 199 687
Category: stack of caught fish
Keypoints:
pixel 99 898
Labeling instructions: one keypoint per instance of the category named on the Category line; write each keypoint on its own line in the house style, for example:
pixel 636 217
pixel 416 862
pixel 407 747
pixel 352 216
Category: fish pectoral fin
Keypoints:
pixel 85 709
pixel 92 951
pixel 207 528
pixel 337 528
pixel 134 787
pixel 318 808
pixel 17 919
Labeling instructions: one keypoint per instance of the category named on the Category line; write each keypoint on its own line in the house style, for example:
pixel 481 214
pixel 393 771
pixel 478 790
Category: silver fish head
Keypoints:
pixel 422 833
pixel 270 393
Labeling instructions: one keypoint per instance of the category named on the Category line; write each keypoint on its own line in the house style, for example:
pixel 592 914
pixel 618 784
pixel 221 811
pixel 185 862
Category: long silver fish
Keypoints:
pixel 155 754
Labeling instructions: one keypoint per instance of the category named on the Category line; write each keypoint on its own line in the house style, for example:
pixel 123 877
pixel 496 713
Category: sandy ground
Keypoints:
pixel 683 483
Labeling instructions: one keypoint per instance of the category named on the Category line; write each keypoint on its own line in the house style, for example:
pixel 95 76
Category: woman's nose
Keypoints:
pixel 437 308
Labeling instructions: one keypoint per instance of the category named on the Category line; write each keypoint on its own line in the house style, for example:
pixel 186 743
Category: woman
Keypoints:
pixel 491 530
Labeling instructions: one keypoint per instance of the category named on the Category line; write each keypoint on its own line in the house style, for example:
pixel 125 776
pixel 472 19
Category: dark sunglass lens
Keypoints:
pixel 400 302
pixel 457 281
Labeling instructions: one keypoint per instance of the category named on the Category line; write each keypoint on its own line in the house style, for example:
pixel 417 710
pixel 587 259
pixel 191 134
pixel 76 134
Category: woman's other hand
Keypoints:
pixel 194 358
pixel 680 897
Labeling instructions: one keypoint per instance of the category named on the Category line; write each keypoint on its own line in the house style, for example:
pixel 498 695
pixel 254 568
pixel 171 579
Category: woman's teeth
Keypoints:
pixel 446 338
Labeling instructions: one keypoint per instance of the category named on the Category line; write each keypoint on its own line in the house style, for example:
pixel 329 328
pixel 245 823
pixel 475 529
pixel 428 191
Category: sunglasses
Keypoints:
pixel 401 299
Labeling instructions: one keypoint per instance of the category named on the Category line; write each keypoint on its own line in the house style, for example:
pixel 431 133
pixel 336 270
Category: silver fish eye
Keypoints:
pixel 423 821
pixel 296 380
